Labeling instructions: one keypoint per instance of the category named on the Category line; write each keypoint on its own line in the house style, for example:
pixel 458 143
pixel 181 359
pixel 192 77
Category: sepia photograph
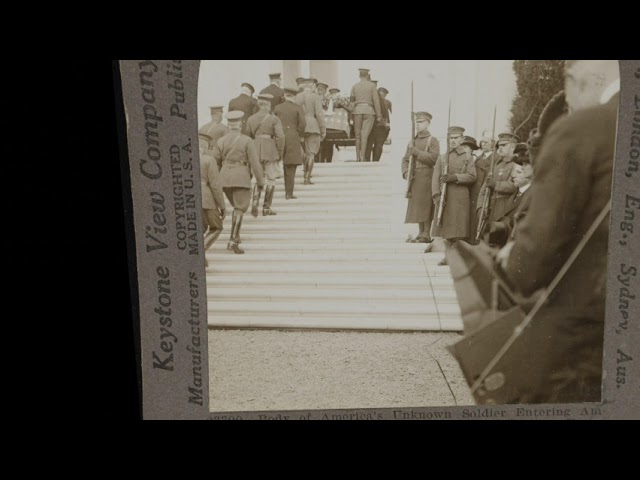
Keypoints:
pixel 392 234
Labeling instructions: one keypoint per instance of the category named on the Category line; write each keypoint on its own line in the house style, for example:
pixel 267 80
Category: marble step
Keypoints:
pixel 324 280
pixel 354 256
pixel 337 322
pixel 383 269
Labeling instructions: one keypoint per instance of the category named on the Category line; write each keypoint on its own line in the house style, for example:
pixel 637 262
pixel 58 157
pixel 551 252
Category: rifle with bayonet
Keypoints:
pixel 445 171
pixel 487 201
pixel 412 160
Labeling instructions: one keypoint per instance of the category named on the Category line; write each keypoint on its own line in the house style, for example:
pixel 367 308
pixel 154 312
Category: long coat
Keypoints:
pixel 502 174
pixel 425 150
pixel 230 150
pixel 212 197
pixel 268 149
pixel 482 167
pixel 515 210
pixel 313 112
pixel 293 123
pixel 455 218
pixel 278 95
pixel 571 186
pixel 246 104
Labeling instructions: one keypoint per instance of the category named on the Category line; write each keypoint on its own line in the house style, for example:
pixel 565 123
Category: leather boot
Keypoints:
pixel 255 200
pixel 268 198
pixel 236 221
pixel 211 236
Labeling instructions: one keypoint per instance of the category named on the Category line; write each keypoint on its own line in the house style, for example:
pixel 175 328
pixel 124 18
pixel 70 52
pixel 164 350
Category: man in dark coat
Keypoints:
pixel 366 110
pixel 268 137
pixel 213 206
pixel 215 129
pixel 425 150
pixel 237 158
pixel 456 169
pixel 274 89
pixel 571 187
pixel 244 103
pixel 380 130
pixel 293 123
pixel 483 164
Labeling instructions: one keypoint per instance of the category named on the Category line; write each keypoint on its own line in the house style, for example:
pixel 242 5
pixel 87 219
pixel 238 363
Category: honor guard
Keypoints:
pixel 456 169
pixel 268 137
pixel 213 206
pixel 502 183
pixel 425 150
pixel 315 130
pixel 238 158
pixel 274 89
pixel 215 129
pixel 483 163
pixel 293 123
pixel 366 111
pixel 244 103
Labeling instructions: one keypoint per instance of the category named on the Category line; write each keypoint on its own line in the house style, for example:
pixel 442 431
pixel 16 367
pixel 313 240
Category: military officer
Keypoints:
pixel 380 130
pixel 425 150
pixel 213 206
pixel 459 175
pixel 315 130
pixel 293 123
pixel 268 137
pixel 215 129
pixel 237 156
pixel 244 103
pixel 366 110
pixel 274 89
pixel 501 186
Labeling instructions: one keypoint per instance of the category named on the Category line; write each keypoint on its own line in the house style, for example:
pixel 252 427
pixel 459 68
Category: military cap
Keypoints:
pixel 364 71
pixel 290 90
pixel 455 131
pixel 471 142
pixel 300 80
pixel 324 85
pixel 382 89
pixel 423 116
pixel 505 138
pixel 274 76
pixel 249 86
pixel 374 81
pixel 265 96
pixel 331 90
pixel 216 109
pixel 311 80
pixel 234 116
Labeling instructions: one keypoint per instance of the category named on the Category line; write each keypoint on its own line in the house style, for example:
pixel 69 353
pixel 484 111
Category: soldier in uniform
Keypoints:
pixel 570 190
pixel 299 82
pixel 483 163
pixel 237 156
pixel 244 103
pixel 215 129
pixel 293 123
pixel 366 110
pixel 460 175
pixel 380 130
pixel 213 207
pixel 315 130
pixel 274 89
pixel 268 137
pixel 425 150
pixel 501 184
pixel 516 208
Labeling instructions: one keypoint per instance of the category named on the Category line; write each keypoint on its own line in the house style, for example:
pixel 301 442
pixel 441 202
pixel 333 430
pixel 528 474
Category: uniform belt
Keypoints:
pixel 364 103
pixel 240 162
pixel 264 136
pixel 420 167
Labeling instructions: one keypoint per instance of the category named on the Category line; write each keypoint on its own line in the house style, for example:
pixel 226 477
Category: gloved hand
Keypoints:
pixel 223 214
pixel 410 145
pixel 405 174
pixel 416 151
pixel 260 188
pixel 491 183
pixel 449 178
pixel 323 135
pixel 380 120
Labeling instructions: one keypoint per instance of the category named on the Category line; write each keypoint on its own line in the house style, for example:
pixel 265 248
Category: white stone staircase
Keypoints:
pixel 335 258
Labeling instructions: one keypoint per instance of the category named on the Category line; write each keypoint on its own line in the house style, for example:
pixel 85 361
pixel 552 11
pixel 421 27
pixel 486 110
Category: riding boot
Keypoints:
pixel 236 221
pixel 268 198
pixel 255 200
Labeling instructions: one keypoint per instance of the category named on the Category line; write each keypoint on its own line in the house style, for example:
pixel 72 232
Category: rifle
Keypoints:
pixel 412 161
pixel 445 171
pixel 488 195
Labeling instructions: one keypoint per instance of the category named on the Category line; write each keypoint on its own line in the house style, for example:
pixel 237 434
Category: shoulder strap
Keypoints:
pixel 225 155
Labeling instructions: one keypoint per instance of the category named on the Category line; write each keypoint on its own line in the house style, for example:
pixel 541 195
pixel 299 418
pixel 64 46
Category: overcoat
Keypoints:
pixel 420 205
pixel 293 123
